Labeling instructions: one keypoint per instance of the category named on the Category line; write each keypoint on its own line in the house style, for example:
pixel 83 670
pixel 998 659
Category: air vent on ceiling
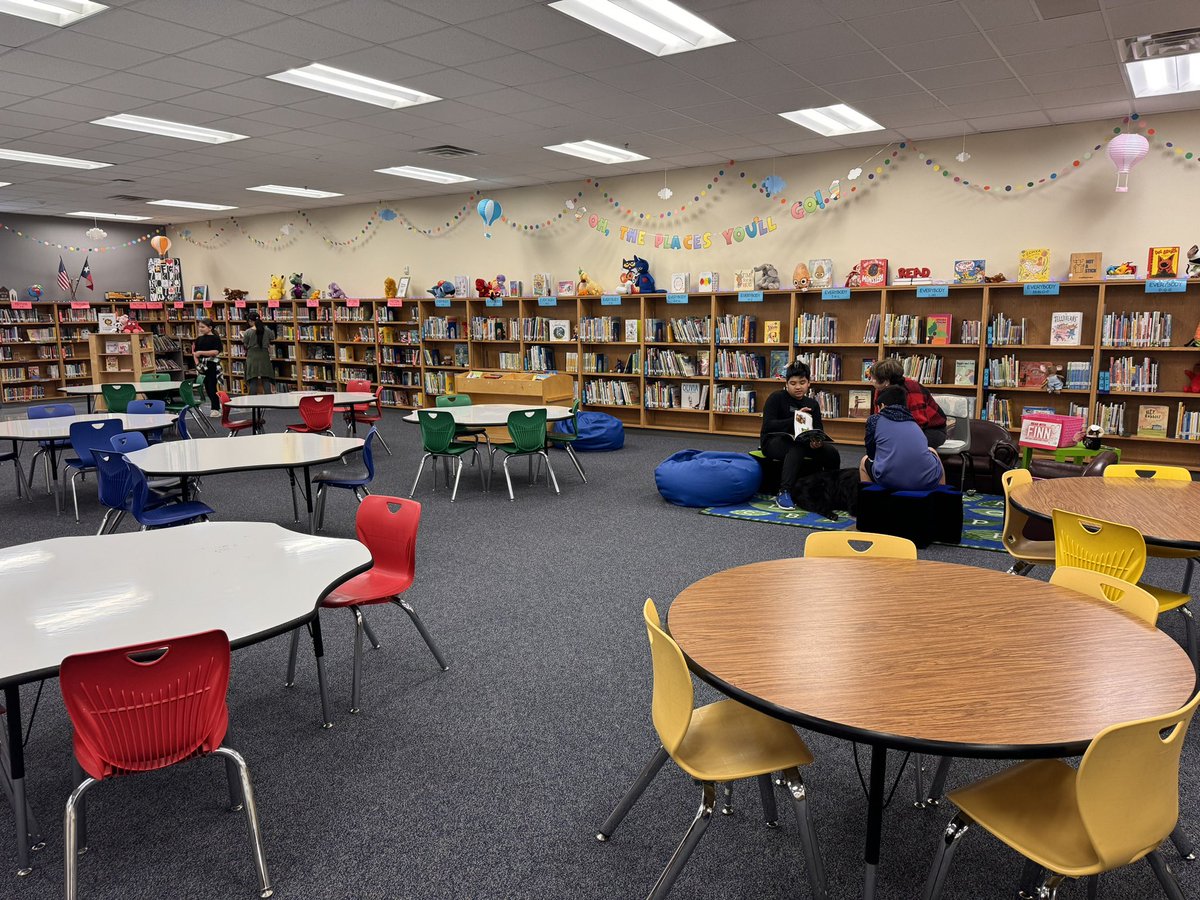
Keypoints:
pixel 448 151
pixel 129 197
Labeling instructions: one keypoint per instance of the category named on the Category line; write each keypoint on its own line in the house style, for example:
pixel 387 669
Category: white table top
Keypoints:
pixel 143 387
pixel 257 451
pixel 59 428
pixel 81 594
pixel 493 414
pixel 291 399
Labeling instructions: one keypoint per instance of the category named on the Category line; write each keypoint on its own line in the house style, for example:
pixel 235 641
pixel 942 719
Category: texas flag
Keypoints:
pixel 64 281
pixel 86 276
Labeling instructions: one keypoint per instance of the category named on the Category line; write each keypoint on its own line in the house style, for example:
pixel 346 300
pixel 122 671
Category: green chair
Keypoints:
pixel 190 404
pixel 155 376
pixel 565 439
pixel 117 396
pixel 437 440
pixel 464 431
pixel 527 428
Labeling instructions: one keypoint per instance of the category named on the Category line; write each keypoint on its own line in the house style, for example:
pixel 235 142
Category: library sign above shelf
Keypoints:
pixel 1166 285
pixel 1040 288
pixel 610 300
pixel 835 293
pixel 933 290
pixel 750 296
pixel 677 298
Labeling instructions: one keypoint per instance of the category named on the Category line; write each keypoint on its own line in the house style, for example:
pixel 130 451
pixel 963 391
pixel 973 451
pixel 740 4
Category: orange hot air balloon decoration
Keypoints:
pixel 161 243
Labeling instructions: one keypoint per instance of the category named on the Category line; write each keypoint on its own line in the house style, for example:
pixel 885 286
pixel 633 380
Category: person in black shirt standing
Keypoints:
pixel 206 351
pixel 800 457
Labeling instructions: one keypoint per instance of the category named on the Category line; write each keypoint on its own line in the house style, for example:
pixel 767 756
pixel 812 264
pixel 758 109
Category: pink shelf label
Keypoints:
pixel 239 304
pixel 313 304
pixel 272 304
pixel 22 304
pixel 137 304
pixel 80 304
pixel 395 301
pixel 208 304
pixel 154 305
pixel 178 304
pixel 352 303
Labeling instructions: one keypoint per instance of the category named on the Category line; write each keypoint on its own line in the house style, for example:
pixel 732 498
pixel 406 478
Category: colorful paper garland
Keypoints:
pixel 29 237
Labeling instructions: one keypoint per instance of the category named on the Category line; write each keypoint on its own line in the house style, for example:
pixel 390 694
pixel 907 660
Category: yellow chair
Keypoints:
pixel 840 544
pixel 1120 804
pixel 1027 553
pixel 719 743
pixel 1123 594
pixel 1137 470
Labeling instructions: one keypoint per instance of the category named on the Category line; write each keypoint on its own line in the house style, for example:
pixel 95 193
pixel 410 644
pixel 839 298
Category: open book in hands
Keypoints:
pixel 802 428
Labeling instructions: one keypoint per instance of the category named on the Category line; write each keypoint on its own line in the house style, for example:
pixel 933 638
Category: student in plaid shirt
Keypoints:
pixel 921 405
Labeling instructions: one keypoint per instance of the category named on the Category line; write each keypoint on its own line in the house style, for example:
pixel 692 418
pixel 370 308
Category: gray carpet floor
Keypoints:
pixel 490 780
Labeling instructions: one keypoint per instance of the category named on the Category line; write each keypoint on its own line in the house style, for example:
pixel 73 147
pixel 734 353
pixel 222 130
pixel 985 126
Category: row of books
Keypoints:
pixel 23 315
pixel 364 355
pixel 830 403
pixel 27 373
pixel 316 332
pixel 23 394
pixel 734 399
pixel 391 335
pixel 539 359
pixel 676 395
pixel 1144 329
pixel 902 329
pixel 1003 331
pixel 599 362
pixel 739 364
pixel 1125 373
pixel 351 313
pixel 825 366
pixel 601 328
pixel 310 372
pixel 460 356
pixel 441 328
pixel 438 383
pixel 408 379
pixel 925 369
pixel 610 392
pixel 672 362
pixel 359 336
pixel 684 330
pixel 816 328
pixel 399 398
pixel 737 329
pixel 393 356
pixel 492 328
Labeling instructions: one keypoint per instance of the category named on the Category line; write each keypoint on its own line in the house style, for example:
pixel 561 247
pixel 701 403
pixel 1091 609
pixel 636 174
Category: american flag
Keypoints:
pixel 86 276
pixel 64 282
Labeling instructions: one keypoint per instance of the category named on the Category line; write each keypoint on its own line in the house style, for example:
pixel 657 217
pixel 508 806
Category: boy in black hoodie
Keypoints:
pixel 800 457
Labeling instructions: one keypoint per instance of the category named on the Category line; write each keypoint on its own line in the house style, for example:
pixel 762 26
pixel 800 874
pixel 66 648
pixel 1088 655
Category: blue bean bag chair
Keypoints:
pixel 707 478
pixel 597 431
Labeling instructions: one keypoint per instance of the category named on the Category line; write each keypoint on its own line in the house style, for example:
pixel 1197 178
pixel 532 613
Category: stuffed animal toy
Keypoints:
pixel 766 278
pixel 442 289
pixel 586 287
pixel 126 325
pixel 801 279
pixel 1054 379
pixel 995 279
pixel 1193 266
pixel 335 292
pixel 389 288
pixel 489 289
pixel 854 279
pixel 299 288
pixel 315 295
pixel 233 294
pixel 277 287
pixel 643 281
pixel 1193 386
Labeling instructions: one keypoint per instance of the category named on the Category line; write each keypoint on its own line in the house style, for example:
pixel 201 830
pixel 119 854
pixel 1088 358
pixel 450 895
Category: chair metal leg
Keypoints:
pixel 631 796
pixel 919 780
pixel 256 843
pixel 550 471
pixel 356 676
pixel 1189 630
pixel 370 632
pixel 727 799
pixel 947 845
pixel 424 632
pixel 457 475
pixel 1093 887
pixel 383 443
pixel 1162 871
pixel 75 493
pixel 1020 567
pixel 938 788
pixel 293 648
pixel 1031 878
pixel 508 477
pixel 684 851
pixel 766 790
pixel 1049 888
pixel 575 461
pixel 71 822
pixel 237 800
pixel 1183 844
pixel 420 469
pixel 808 834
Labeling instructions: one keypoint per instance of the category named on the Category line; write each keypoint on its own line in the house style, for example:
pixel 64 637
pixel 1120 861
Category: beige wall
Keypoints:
pixel 913 216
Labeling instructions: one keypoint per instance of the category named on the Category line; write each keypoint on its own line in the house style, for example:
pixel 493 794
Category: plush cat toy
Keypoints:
pixel 335 292
pixel 276 291
pixel 300 290
pixel 233 294
pixel 643 281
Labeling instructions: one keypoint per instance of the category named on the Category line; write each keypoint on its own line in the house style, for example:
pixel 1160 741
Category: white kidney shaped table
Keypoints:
pixel 84 594
pixel 291 400
pixel 492 415
pixel 91 391
pixel 214 456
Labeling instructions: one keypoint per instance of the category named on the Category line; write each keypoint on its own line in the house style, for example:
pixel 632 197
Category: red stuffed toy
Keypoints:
pixel 1193 380
pixel 128 325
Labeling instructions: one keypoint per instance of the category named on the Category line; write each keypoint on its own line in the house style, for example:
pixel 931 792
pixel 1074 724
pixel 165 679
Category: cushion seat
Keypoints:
pixel 355 472
pixel 707 478
pixel 597 432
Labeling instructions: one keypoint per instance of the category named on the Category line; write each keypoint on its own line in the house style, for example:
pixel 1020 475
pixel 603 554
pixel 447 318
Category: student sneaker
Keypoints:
pixel 784 500
pixel 214 414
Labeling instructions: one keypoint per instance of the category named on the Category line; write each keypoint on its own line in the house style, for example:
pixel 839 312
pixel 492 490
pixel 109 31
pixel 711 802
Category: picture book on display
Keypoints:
pixel 566 288
pixel 693 395
pixel 860 404
pixel 462 286
pixel 937 328
pixel 873 272
pixel 820 273
pixel 743 280
pixel 771 335
pixel 964 371
pixel 541 284
pixel 1032 374
pixel 867 366
pixel 969 271
pixel 1034 265
pixel 681 282
pixel 1163 262
pixel 1085 266
pixel 779 362
pixel 560 330
pixel 708 281
pixel 1066 329
pixel 631 330
pixel 1152 422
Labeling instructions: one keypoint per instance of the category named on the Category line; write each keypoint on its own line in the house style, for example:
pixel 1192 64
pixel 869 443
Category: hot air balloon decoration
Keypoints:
pixel 489 210
pixel 1126 151
pixel 161 243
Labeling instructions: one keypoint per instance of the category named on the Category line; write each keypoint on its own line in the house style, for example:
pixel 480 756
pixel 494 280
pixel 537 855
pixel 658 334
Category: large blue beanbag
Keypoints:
pixel 597 431
pixel 707 478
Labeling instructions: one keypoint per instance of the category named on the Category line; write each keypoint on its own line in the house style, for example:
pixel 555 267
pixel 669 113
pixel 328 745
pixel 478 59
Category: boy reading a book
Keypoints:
pixel 791 431
pixel 898 456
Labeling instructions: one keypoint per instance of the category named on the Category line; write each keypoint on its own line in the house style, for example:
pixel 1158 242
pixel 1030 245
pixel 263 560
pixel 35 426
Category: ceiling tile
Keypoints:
pixel 870 88
pixel 531 27
pixel 225 104
pixel 932 54
pixel 331 107
pixel 843 68
pixel 1064 59
pixel 456 12
pixel 941 22
pixel 934 130
pixel 238 56
pixel 97 101
pixel 656 72
pixel 1009 122
pixel 515 69
pixel 591 54
pixel 1064 32
pixel 760 18
pixel 7 99
pixel 992 90
pixel 696 91
pixel 570 89
pixel 184 71
pixel 273 92
pixel 820 42
pixel 127 27
pixel 140 86
pixel 16 83
pixel 1090 112
pixel 448 46
pixel 1095 76
pixel 979 108
pixel 506 100
pixel 450 83
pixel 1099 94
pixel 558 117
pixel 998 13
pixel 386 64
pixel 369 19
pixel 448 112
pixel 226 17
pixel 861 9
pixel 17 32
pixel 1152 17
pixel 967 73
pixel 31 120
pixel 70 71
pixel 303 39
pixel 69 45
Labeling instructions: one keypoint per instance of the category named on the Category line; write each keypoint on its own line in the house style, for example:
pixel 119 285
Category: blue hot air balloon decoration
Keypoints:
pixel 387 215
pixel 489 210
pixel 773 184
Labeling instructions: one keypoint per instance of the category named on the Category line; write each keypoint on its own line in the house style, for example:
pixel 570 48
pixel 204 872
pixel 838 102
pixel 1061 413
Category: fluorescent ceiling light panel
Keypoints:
pixel 597 152
pixel 170 129
pixel 425 174
pixel 115 217
pixel 5 183
pixel 329 80
pixel 51 12
pixel 42 159
pixel 188 204
pixel 656 26
pixel 1164 75
pixel 293 191
pixel 833 120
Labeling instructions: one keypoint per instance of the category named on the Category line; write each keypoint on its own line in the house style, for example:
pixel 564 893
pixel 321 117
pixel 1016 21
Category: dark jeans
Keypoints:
pixel 935 436
pixel 210 387
pixel 799 459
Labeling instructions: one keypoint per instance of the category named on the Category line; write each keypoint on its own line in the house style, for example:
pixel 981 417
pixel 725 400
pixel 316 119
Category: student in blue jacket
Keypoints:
pixel 899 457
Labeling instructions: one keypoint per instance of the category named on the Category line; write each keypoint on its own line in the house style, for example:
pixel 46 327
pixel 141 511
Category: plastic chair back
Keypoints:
pixel 1106 547
pixel 671 707
pixel 139 491
pixel 155 376
pixel 527 427
pixel 129 441
pixel 317 412
pixel 117 396
pixel 112 479
pixel 453 400
pixel 387 526
pixel 146 707
pixel 841 544
pixel 437 430
pixel 1140 470
pixel 1013 535
pixel 1129 597
pixel 358 386
pixel 147 407
pixel 367 454
pixel 181 425
pixel 1127 787
pixel 187 394
pixel 88 438
pixel 50 411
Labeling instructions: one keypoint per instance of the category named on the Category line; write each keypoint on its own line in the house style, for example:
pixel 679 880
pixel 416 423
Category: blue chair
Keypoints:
pixel 351 478
pixel 149 408
pixel 131 441
pixel 115 488
pixel 48 411
pixel 148 515
pixel 87 439
pixel 181 426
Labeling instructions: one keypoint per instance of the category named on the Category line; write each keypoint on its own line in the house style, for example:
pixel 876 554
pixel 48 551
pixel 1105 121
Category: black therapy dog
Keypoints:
pixel 825 492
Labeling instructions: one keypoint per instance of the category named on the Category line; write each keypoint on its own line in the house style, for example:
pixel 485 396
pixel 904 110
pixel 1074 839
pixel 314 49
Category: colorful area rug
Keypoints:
pixel 983 518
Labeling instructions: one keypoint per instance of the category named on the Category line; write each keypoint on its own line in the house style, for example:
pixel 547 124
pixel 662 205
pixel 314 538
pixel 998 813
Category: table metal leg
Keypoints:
pixel 16 768
pixel 308 499
pixel 314 629
pixel 875 791
pixel 53 454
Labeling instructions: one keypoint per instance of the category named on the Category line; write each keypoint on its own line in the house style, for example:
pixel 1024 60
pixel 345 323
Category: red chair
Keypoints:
pixel 360 413
pixel 143 708
pixel 356 386
pixel 387 526
pixel 317 413
pixel 233 425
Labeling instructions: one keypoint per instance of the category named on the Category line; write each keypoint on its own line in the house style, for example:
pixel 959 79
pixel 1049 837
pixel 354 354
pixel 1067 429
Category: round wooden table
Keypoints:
pixel 1167 513
pixel 927 657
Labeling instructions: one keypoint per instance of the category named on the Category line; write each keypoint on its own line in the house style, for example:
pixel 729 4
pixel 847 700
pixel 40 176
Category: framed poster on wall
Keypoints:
pixel 166 279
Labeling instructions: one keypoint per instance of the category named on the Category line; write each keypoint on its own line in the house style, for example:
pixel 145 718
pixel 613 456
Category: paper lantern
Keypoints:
pixel 489 210
pixel 161 243
pixel 1126 151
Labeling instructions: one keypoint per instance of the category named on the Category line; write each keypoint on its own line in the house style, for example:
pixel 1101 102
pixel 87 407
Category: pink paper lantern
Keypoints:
pixel 1126 151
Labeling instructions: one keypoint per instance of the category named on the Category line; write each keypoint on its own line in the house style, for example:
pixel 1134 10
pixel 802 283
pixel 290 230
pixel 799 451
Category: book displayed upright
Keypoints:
pixel 937 328
pixel 820 273
pixel 1163 262
pixel 772 332
pixel 1066 329
pixel 970 271
pixel 541 285
pixel 631 330
pixel 1034 265
pixel 462 286
pixel 681 282
pixel 964 371
pixel 743 280
pixel 1152 421
pixel 1085 266
pixel 1033 374
pixel 873 272
pixel 708 281
pixel 860 405
pixel 560 330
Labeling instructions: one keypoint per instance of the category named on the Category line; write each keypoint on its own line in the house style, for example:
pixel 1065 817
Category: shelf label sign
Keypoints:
pixel 1166 285
pixel 272 304
pixel 394 301
pixel 750 296
pixel 208 304
pixel 547 301
pixel 493 301
pixel 610 300
pixel 83 304
pixel 22 304
pixel 156 304
pixel 237 304
pixel 313 304
pixel 835 293
pixel 178 304
pixel 1041 289
pixel 441 302
pixel 352 302
pixel 933 290
pixel 677 298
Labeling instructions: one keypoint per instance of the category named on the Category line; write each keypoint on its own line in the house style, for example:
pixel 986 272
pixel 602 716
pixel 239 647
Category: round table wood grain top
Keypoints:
pixel 927 656
pixel 1167 513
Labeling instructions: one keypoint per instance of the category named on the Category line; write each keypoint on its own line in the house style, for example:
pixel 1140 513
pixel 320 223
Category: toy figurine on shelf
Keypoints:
pixel 442 289
pixel 1193 385
pixel 1193 263
pixel 854 279
pixel 641 281
pixel 489 289
pixel 1054 379
pixel 766 278
pixel 315 295
pixel 998 278
pixel 299 288
pixel 1092 438
pixel 277 285
pixel 335 292
pixel 801 277
pixel 587 287
pixel 389 288
pixel 232 294
pixel 1125 270
pixel 128 325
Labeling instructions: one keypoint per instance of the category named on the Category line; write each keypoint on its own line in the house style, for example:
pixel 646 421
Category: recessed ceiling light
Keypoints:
pixel 170 129
pixel 597 152
pixel 329 80
pixel 656 26
pixel 1164 75
pixel 116 217
pixel 5 183
pixel 293 191
pixel 188 204
pixel 42 159
pixel 833 120
pixel 51 12
pixel 425 174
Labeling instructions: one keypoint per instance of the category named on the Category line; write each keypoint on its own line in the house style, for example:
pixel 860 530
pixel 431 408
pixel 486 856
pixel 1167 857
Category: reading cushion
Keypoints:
pixel 597 431
pixel 707 478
